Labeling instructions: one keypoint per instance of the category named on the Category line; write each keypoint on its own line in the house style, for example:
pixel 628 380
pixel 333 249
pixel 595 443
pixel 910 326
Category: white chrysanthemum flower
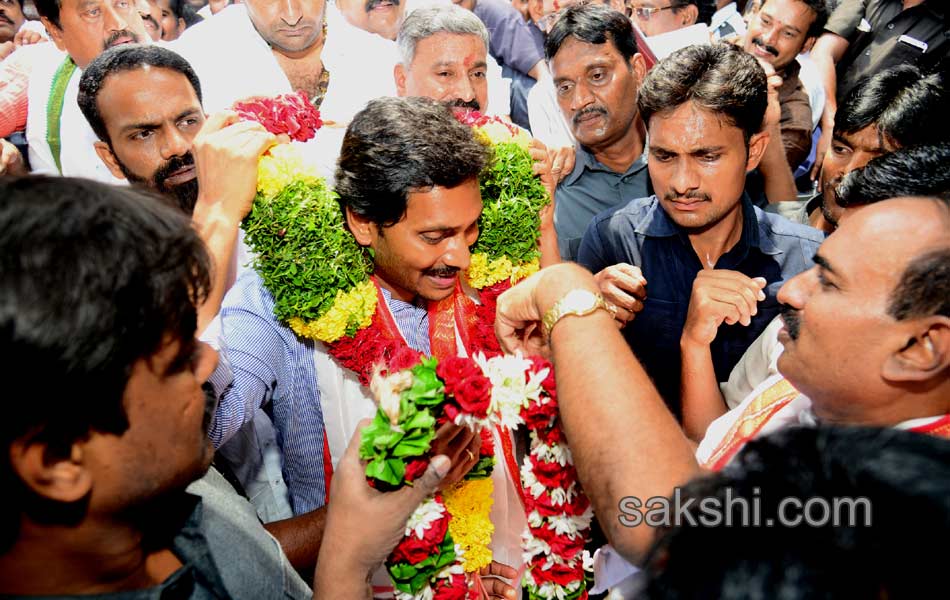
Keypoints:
pixel 588 561
pixel 534 519
pixel 511 389
pixel 558 453
pixel 564 525
pixel 422 519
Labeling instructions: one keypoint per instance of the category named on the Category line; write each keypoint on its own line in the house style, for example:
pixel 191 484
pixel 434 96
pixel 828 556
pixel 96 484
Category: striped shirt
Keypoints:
pixel 269 366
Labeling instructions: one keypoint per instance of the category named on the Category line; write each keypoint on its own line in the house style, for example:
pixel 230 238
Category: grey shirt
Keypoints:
pixel 590 189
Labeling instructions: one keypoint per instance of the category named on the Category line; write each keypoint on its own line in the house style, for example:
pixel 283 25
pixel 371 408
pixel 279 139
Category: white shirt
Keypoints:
pixel 545 116
pixel 77 155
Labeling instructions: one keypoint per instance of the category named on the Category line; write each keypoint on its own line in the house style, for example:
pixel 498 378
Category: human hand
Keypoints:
pixel 461 445
pixel 226 152
pixel 773 111
pixel 519 310
pixel 624 287
pixel 720 296
pixel 493 580
pixel 364 525
pixel 26 36
pixel 11 161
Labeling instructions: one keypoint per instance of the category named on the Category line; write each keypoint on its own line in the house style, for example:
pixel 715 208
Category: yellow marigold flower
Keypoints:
pixel 355 307
pixel 469 503
pixel 483 272
pixel 280 166
pixel 498 133
pixel 525 270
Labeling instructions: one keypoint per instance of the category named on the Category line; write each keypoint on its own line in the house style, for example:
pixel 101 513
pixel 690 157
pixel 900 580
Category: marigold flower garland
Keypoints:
pixel 323 289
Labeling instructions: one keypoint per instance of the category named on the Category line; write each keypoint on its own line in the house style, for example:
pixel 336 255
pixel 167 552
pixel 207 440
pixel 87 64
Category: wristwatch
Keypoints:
pixel 575 302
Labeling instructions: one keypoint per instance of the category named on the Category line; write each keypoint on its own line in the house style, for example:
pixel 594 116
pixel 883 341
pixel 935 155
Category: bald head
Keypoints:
pixel 867 330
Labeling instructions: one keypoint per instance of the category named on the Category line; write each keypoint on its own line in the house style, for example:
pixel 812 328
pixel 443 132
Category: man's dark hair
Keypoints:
pixel 594 24
pixel 913 171
pixel 901 102
pixel 93 279
pixel 904 476
pixel 125 57
pixel 705 9
pixel 395 146
pixel 183 10
pixel 821 10
pixel 924 286
pixel 48 9
pixel 720 78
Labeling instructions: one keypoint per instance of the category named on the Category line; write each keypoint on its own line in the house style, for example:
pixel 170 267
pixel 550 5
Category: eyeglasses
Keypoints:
pixel 644 13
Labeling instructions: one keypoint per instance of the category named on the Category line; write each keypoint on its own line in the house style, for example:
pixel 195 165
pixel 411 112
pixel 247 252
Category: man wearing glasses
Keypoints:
pixel 654 17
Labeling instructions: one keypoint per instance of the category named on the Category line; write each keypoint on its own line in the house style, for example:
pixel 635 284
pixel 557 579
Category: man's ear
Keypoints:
pixel 639 67
pixel 364 230
pixel 63 479
pixel 399 75
pixel 688 14
pixel 926 353
pixel 809 42
pixel 758 142
pixel 106 155
pixel 54 32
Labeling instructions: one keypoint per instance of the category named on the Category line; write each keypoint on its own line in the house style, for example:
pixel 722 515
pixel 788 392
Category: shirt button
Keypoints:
pixel 868 53
pixel 890 26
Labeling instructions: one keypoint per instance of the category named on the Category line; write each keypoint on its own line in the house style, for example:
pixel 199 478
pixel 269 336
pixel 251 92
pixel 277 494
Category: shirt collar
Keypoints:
pixel 755 229
pixel 397 306
pixel 585 160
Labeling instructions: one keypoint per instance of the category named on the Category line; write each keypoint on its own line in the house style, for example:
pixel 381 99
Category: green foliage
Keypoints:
pixel 412 578
pixel 304 251
pixel 512 195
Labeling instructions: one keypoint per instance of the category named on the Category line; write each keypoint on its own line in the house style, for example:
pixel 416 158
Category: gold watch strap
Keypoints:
pixel 577 303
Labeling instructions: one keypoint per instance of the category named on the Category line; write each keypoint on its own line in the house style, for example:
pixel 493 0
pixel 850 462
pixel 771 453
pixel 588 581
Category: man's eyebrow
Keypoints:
pixel 822 262
pixel 708 150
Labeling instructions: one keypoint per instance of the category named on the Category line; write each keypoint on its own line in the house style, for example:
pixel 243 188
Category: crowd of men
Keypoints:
pixel 745 287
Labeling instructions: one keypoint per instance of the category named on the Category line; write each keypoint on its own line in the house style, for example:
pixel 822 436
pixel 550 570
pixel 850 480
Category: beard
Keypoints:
pixel 185 195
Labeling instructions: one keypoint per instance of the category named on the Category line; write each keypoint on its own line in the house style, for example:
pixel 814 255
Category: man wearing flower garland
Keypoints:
pixel 698 256
pixel 407 179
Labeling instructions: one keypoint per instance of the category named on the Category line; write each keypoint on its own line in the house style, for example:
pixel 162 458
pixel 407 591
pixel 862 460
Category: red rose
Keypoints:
pixel 465 385
pixel 413 550
pixel 292 114
pixel 539 416
pixel 454 588
pixel 488 443
pixel 559 574
pixel 404 358
pixel 415 468
pixel 566 547
pixel 474 396
pixel 551 436
pixel 551 474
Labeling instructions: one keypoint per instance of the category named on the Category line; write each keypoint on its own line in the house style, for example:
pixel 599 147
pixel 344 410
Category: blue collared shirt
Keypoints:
pixel 270 367
pixel 590 189
pixel 642 234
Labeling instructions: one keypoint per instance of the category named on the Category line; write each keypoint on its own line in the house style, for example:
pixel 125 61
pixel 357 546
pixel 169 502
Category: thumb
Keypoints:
pixel 425 486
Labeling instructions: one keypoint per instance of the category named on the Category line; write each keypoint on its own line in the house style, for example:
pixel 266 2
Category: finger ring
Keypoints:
pixel 612 309
pixel 469 453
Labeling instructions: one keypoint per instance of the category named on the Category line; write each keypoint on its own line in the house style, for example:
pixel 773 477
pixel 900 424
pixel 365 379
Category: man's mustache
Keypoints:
pixel 792 320
pixel 770 49
pixel 174 163
pixel 442 272
pixel 587 111
pixel 459 103
pixel 4 17
pixel 118 35
pixel 690 195
pixel 371 4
